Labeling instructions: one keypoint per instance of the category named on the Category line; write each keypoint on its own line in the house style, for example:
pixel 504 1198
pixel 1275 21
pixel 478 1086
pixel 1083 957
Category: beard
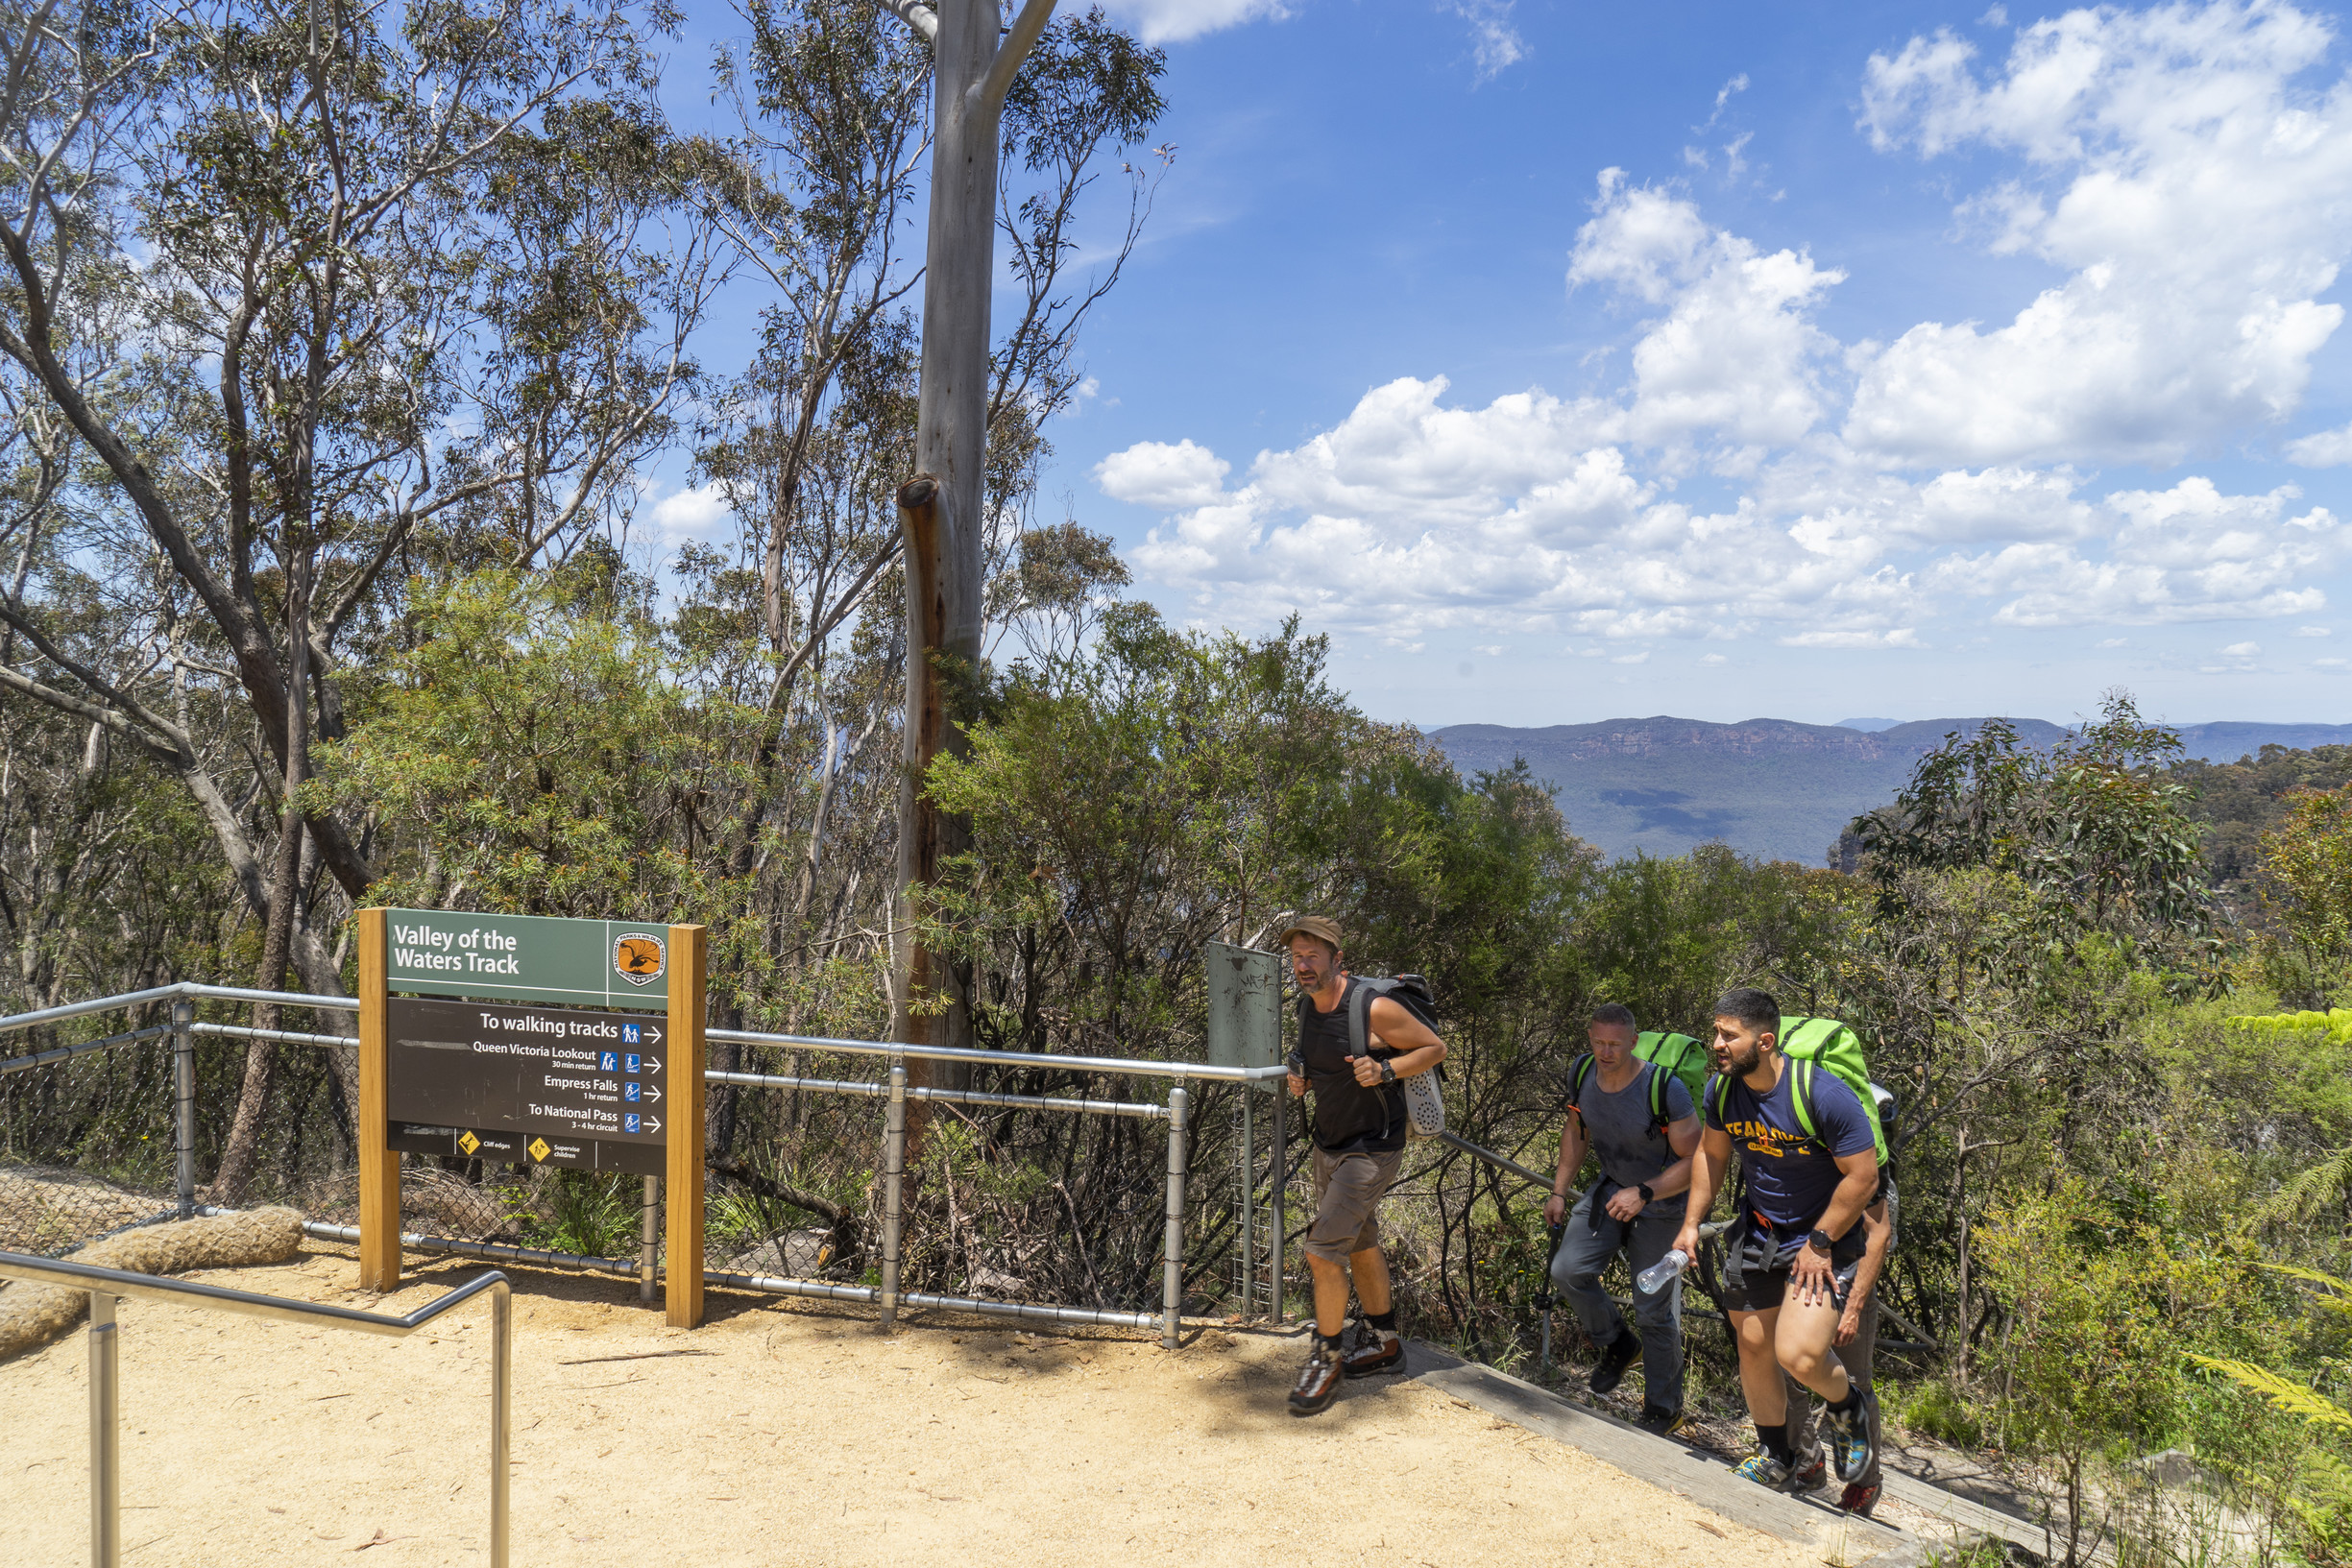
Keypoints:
pixel 1744 1062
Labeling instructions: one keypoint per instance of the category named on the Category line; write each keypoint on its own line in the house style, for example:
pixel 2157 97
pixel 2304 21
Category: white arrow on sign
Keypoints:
pixel 653 1063
pixel 653 1124
pixel 651 1093
pixel 653 1034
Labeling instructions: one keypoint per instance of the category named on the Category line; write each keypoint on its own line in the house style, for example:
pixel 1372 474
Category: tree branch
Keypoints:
pixel 920 17
pixel 990 93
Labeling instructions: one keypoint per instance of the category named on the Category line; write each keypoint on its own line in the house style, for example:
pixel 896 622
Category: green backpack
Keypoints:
pixel 1676 1054
pixel 1811 1044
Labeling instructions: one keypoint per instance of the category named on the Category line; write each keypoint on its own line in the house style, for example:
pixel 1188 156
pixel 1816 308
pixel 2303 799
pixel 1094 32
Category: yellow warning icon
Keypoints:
pixel 539 1148
pixel 468 1142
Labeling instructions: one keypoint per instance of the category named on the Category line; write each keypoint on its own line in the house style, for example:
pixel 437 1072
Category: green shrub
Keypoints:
pixel 1936 1410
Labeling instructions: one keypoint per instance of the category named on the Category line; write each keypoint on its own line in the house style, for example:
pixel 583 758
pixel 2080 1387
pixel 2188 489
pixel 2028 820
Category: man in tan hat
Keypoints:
pixel 1359 1143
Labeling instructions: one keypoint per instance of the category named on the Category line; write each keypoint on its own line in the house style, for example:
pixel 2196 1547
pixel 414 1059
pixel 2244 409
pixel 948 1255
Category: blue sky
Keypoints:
pixel 1565 362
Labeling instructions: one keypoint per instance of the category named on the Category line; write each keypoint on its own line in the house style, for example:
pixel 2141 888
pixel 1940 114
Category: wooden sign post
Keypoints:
pixel 682 1281
pixel 571 1043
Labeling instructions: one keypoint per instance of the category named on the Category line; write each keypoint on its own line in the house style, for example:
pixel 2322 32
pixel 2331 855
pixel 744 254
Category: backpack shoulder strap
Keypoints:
pixel 1360 993
pixel 1718 1088
pixel 1578 1076
pixel 1659 1074
pixel 1801 1096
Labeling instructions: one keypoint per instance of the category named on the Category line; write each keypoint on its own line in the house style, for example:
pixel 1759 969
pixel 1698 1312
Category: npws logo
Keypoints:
pixel 640 958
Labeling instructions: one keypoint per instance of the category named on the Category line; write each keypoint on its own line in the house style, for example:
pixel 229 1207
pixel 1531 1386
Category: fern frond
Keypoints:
pixel 2314 1189
pixel 2289 1396
pixel 2311 1276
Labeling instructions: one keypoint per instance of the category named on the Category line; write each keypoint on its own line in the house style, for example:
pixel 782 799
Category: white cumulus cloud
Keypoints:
pixel 1155 473
pixel 2193 190
pixel 2191 193
pixel 1173 21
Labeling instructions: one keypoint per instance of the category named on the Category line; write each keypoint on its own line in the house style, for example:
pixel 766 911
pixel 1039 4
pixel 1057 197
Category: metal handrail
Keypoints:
pixel 183 989
pixel 22 1064
pixel 192 990
pixel 105 1284
pixel 1006 1059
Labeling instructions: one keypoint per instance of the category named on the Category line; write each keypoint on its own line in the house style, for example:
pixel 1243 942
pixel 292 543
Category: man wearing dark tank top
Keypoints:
pixel 1359 1138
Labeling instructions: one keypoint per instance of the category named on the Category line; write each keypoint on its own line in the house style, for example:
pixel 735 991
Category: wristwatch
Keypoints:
pixel 1819 1242
pixel 1644 1188
pixel 1388 1071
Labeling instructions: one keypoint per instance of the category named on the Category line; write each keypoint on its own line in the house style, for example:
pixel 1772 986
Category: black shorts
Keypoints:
pixel 1752 1284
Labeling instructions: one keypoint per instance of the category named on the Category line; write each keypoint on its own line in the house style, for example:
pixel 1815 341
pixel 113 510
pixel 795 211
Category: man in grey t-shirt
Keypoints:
pixel 1635 1207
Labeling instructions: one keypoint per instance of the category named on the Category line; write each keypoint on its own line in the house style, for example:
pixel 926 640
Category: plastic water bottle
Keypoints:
pixel 1663 1273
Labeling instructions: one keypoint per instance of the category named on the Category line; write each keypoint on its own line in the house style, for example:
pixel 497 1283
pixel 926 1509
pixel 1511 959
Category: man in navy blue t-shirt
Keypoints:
pixel 1790 1255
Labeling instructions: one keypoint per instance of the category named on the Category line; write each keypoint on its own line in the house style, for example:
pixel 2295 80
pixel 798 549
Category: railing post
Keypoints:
pixel 1172 1265
pixel 1281 1186
pixel 893 1173
pixel 648 1238
pixel 183 1103
pixel 1249 1184
pixel 106 1469
pixel 501 1413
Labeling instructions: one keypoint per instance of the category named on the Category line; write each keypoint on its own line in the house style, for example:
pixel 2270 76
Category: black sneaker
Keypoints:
pixel 1809 1476
pixel 1857 1498
pixel 1663 1423
pixel 1614 1360
pixel 1318 1381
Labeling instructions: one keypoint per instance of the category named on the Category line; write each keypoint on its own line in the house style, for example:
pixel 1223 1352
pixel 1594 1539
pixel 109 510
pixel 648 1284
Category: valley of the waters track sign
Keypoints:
pixel 534 1067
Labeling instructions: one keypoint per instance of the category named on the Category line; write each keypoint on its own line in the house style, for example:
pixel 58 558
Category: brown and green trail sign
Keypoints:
pixel 538 1064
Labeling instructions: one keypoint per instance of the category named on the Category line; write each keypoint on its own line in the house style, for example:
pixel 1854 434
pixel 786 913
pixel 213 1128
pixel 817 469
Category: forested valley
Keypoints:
pixel 334 345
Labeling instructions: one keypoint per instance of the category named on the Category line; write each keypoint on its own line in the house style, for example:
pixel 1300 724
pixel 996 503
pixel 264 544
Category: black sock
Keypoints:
pixel 1328 1342
pixel 1385 1322
pixel 1775 1438
pixel 1852 1402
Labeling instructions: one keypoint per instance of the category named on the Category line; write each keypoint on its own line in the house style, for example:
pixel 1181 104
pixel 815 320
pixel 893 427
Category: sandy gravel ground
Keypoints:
pixel 785 1433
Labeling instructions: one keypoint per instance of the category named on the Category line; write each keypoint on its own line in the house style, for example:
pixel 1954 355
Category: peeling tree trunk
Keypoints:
pixel 943 512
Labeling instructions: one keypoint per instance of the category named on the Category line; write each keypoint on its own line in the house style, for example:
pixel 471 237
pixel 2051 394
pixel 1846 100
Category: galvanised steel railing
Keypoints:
pixel 889 1297
pixel 106 1286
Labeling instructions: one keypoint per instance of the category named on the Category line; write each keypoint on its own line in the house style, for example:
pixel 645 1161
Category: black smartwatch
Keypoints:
pixel 1647 1196
pixel 1388 1071
pixel 1819 1242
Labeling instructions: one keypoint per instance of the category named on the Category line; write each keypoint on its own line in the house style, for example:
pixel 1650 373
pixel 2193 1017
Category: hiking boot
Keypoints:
pixel 1318 1381
pixel 1857 1499
pixel 1849 1435
pixel 1810 1475
pixel 1663 1423
pixel 1766 1471
pixel 1375 1353
pixel 1620 1355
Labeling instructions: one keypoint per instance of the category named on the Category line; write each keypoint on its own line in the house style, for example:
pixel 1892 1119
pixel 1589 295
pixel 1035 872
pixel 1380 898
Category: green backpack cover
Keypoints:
pixel 1676 1053
pixel 1813 1043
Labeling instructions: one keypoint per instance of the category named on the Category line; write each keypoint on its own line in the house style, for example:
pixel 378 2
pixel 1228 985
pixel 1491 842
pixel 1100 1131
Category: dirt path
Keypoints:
pixel 785 1433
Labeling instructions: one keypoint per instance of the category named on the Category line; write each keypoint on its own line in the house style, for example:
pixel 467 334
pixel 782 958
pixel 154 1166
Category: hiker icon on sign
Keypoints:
pixel 629 1123
pixel 640 958
pixel 608 1062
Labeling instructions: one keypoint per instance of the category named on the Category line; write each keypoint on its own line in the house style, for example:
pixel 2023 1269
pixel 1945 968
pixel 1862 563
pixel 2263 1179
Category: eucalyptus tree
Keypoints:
pixel 317 289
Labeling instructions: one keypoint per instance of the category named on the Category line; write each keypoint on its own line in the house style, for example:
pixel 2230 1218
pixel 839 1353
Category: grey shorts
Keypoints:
pixel 1348 1192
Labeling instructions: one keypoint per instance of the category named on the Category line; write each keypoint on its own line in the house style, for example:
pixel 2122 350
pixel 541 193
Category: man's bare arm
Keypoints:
pixel 1682 1136
pixel 1394 1027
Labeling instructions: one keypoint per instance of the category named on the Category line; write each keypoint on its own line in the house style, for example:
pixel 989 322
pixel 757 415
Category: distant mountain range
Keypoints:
pixel 1769 788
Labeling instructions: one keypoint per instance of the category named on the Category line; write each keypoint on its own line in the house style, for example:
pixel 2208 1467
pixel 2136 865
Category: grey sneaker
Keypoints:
pixel 1849 1435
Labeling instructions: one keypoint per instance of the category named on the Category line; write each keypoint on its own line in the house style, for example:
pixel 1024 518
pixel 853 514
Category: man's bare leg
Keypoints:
pixel 1759 1370
pixel 1802 1341
pixel 1331 1295
pixel 1370 1268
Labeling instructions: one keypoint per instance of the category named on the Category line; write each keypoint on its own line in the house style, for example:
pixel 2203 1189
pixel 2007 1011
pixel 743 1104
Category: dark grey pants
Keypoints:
pixel 1804 1414
pixel 1584 1252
